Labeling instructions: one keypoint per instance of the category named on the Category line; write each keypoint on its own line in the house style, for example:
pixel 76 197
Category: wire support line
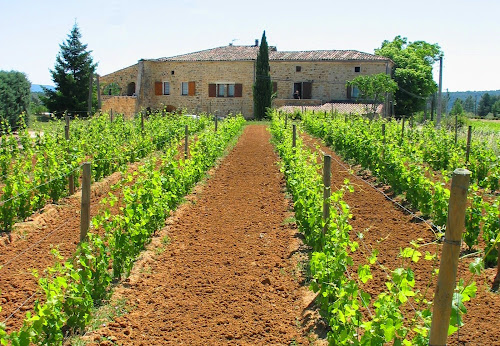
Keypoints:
pixel 431 225
pixel 390 277
pixel 43 184
pixel 20 306
pixel 133 152
pixel 359 294
pixel 33 245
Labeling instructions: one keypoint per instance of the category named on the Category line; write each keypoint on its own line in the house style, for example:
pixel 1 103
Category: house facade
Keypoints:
pixel 220 80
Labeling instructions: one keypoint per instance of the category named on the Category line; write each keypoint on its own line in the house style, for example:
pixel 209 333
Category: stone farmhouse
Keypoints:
pixel 220 80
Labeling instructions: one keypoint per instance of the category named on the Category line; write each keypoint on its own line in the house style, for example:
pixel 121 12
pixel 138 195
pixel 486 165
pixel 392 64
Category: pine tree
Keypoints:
pixel 469 104
pixel 71 75
pixel 262 89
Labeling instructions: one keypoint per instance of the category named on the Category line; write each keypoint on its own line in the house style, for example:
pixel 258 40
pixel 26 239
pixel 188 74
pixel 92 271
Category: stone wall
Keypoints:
pixel 119 104
pixel 202 74
pixel 121 77
pixel 328 77
pixel 327 80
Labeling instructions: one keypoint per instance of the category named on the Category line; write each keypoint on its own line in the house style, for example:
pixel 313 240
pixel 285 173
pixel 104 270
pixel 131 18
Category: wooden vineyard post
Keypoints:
pixel 383 140
pixel 111 115
pixel 215 119
pixel 186 142
pixel 496 280
pixel 71 177
pixel 142 123
pixel 449 257
pixel 99 104
pixel 294 135
pixel 286 120
pixel 469 136
pixel 403 129
pixel 89 110
pixel 326 191
pixel 456 128
pixel 85 210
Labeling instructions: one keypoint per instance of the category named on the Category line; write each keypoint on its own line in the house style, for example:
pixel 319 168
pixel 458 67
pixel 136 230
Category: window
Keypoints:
pixel 298 68
pixel 172 73
pixel 302 90
pixel 184 88
pixel 230 90
pixel 166 88
pixel 355 92
pixel 221 90
pixel 352 92
pixel 357 69
pixel 225 90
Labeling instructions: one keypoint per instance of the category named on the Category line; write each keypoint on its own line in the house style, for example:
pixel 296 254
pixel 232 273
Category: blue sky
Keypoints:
pixel 120 32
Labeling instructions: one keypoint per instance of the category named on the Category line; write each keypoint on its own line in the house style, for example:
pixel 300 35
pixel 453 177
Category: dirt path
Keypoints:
pixel 388 229
pixel 228 276
pixel 27 248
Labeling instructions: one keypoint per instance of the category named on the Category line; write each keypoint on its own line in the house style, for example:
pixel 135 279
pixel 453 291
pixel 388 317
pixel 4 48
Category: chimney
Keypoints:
pixel 256 42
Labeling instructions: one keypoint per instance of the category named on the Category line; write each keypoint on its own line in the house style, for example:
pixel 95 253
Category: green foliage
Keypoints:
pixel 340 296
pixel 38 174
pixel 469 104
pixel 14 97
pixel 111 89
pixel 71 76
pixel 74 287
pixel 262 89
pixel 374 88
pixel 412 72
pixel 457 108
pixel 418 166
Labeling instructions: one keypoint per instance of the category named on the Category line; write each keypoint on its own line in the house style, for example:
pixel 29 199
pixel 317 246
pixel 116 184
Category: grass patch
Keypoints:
pixel 100 317
pixel 485 125
pixel 289 220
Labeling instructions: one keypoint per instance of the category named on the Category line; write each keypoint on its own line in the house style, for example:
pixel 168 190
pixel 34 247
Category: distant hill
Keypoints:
pixel 37 88
pixel 464 94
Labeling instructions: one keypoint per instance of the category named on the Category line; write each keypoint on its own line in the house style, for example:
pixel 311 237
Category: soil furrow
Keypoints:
pixel 228 274
pixel 388 229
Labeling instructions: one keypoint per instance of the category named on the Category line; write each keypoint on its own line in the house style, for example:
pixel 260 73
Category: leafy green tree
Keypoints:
pixel 469 104
pixel 412 72
pixel 495 109
pixel 457 108
pixel 262 89
pixel 373 88
pixel 71 76
pixel 36 105
pixel 485 104
pixel 14 96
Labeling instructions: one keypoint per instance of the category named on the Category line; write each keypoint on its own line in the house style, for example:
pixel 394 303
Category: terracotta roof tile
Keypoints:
pixel 243 53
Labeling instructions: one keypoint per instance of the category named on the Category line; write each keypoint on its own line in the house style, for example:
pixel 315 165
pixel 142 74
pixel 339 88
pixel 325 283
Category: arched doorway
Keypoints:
pixel 131 89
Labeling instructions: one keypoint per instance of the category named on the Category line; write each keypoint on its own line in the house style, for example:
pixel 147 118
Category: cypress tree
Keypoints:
pixel 262 89
pixel 71 75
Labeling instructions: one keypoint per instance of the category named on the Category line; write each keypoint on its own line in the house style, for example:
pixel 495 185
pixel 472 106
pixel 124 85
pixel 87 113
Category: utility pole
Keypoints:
pixel 438 117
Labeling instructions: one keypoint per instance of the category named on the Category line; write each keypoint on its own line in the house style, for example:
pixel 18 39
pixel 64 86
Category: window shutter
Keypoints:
pixel 275 87
pixel 238 90
pixel 349 90
pixel 212 90
pixel 306 90
pixel 158 88
pixel 191 88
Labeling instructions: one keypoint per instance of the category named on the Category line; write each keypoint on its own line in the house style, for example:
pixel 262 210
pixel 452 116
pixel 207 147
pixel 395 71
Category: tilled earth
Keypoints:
pixel 227 268
pixel 228 275
pixel 387 228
